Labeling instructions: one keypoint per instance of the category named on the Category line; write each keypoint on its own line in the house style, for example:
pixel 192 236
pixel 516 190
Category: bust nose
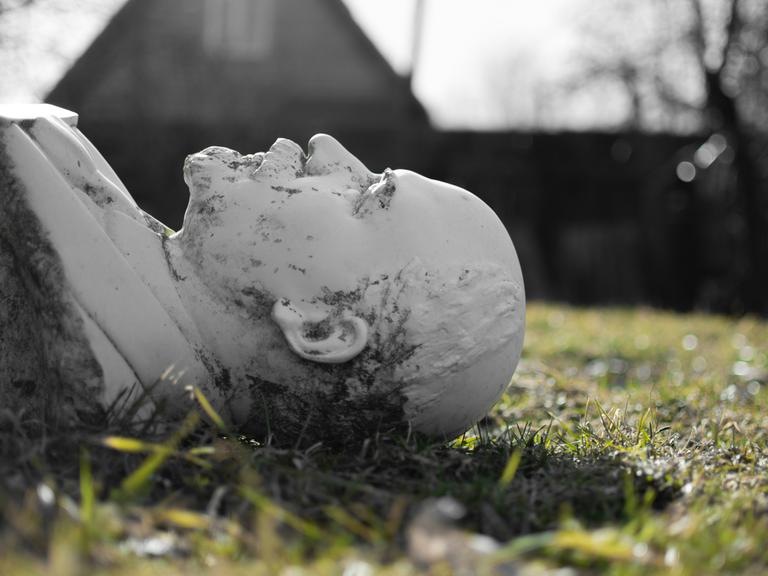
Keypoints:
pixel 327 155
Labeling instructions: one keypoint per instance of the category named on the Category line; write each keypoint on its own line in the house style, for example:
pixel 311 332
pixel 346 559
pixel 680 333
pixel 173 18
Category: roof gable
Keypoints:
pixel 99 79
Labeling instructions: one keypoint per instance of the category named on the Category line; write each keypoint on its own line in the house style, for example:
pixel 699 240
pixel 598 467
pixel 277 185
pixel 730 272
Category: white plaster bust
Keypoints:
pixel 304 294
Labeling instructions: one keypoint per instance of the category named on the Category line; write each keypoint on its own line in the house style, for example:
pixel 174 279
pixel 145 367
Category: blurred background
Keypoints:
pixel 624 144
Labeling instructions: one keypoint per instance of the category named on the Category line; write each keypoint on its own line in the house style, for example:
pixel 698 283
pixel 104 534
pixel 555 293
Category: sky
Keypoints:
pixel 471 50
pixel 484 64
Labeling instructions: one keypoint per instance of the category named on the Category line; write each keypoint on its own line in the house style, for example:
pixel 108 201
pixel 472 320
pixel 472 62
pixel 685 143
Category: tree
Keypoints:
pixel 699 65
pixel 39 39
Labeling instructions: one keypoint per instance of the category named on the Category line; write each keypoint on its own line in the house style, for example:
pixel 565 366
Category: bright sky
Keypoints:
pixel 474 53
pixel 484 63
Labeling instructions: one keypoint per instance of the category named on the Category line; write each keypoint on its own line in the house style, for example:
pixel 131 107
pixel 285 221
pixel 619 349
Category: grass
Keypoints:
pixel 629 442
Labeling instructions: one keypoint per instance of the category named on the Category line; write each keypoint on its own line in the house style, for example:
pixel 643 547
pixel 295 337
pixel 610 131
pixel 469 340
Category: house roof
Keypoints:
pixel 72 88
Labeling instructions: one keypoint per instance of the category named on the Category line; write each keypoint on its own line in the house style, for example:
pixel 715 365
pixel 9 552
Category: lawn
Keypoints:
pixel 629 442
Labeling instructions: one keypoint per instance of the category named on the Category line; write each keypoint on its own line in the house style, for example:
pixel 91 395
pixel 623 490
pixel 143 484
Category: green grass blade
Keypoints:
pixel 87 500
pixel 510 469
pixel 138 481
pixel 279 513
pixel 209 410
pixel 129 445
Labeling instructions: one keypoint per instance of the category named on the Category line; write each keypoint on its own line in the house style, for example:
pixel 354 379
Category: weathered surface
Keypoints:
pixel 82 306
pixel 401 297
pixel 305 294
pixel 46 365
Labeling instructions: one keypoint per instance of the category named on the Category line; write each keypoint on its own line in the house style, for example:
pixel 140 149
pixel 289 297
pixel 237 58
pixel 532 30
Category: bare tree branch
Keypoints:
pixel 671 97
pixel 731 33
pixel 697 33
pixel 8 5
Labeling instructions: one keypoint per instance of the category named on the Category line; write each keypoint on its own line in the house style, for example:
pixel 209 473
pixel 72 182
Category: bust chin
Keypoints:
pixel 306 295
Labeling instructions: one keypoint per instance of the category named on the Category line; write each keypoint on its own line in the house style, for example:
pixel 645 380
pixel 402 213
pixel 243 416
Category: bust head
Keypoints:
pixel 344 295
pixel 304 294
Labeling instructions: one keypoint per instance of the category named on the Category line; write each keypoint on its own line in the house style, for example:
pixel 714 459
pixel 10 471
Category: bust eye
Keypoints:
pixel 387 186
pixel 378 196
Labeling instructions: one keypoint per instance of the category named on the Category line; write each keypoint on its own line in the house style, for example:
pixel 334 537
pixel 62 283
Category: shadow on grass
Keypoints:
pixel 364 493
pixel 548 485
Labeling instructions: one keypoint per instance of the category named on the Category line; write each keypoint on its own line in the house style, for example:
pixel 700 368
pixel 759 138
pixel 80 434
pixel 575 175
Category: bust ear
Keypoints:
pixel 317 334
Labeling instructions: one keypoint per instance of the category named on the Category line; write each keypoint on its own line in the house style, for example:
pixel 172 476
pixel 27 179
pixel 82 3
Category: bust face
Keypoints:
pixel 366 289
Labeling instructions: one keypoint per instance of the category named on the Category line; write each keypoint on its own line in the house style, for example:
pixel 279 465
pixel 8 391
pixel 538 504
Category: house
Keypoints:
pixel 166 79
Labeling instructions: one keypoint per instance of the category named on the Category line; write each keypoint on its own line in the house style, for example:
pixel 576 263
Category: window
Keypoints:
pixel 241 29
